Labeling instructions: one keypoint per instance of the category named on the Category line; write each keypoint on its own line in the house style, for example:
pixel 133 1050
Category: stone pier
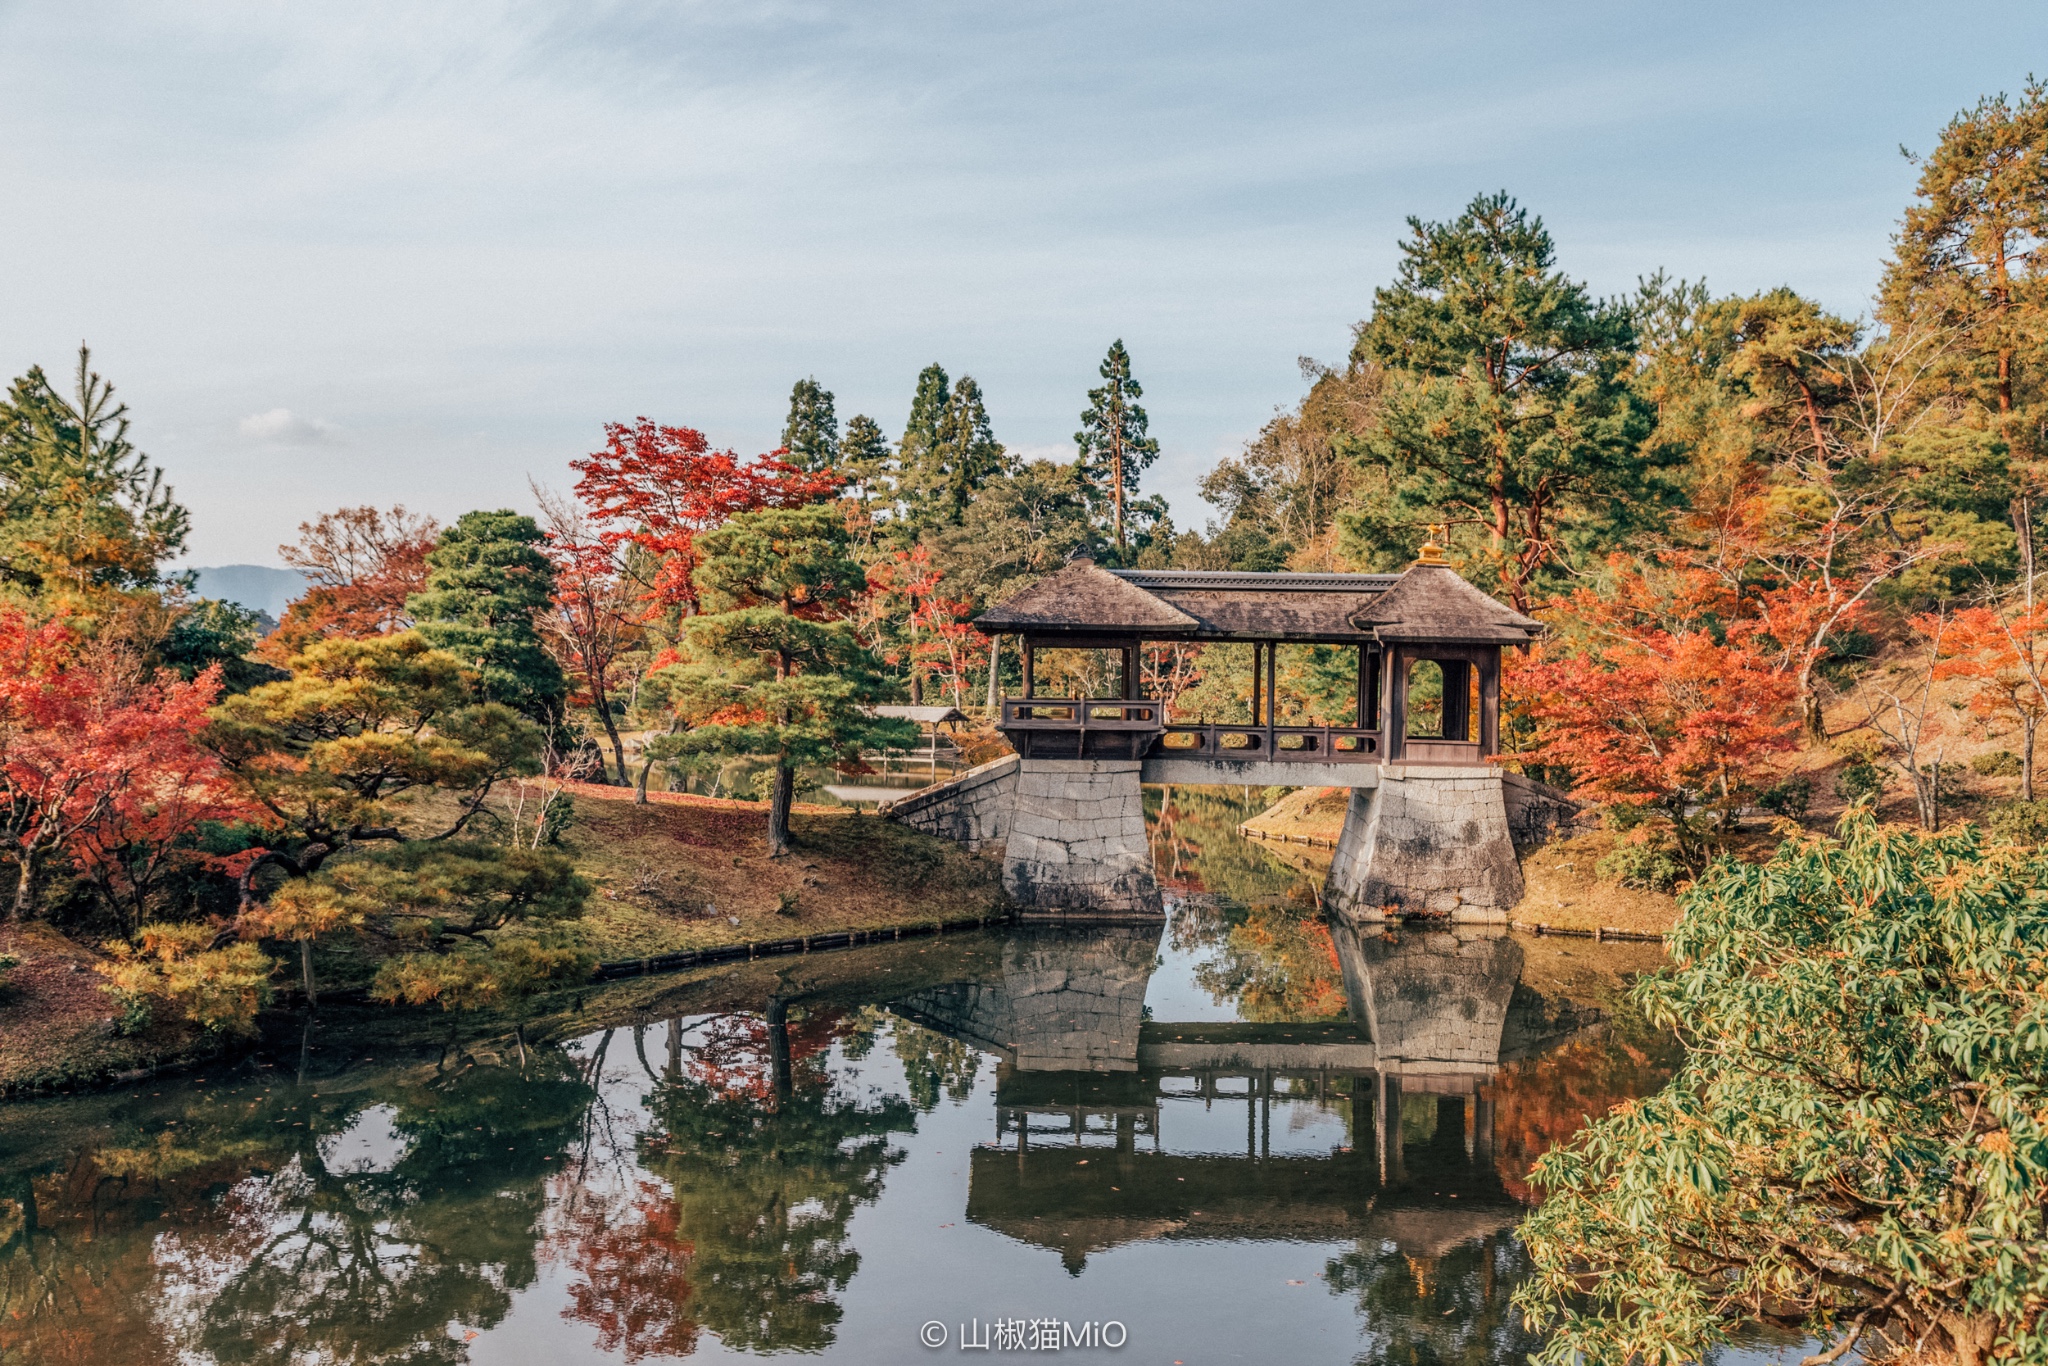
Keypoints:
pixel 1077 840
pixel 1430 839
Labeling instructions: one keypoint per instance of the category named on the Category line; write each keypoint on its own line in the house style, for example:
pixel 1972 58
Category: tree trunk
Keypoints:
pixel 778 809
pixel 1814 720
pixel 2028 725
pixel 306 972
pixel 995 673
pixel 604 713
pixel 640 788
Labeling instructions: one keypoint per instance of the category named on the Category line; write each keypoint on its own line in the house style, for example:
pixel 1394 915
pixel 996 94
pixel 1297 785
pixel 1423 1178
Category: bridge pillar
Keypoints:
pixel 1428 839
pixel 1077 841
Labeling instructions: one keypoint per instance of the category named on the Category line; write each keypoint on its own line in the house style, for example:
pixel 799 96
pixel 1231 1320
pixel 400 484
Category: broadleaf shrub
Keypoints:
pixel 1858 1139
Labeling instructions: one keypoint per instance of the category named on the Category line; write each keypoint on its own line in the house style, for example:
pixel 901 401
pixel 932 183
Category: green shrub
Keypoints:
pixel 2021 823
pixel 1789 798
pixel 1867 1053
pixel 7 960
pixel 1999 763
pixel 1859 780
pixel 1650 866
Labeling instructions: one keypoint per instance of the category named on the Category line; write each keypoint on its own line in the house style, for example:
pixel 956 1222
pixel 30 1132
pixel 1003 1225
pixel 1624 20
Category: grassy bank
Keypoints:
pixel 678 873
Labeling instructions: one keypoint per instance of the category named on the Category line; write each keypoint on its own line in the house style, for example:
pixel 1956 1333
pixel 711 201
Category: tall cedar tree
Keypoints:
pixel 865 458
pixel 1114 446
pixel 781 673
pixel 487 582
pixel 1506 392
pixel 84 515
pixel 811 436
pixel 948 453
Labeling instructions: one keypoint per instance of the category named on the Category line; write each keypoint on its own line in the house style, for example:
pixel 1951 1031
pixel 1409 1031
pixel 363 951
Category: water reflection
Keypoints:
pixel 815 1155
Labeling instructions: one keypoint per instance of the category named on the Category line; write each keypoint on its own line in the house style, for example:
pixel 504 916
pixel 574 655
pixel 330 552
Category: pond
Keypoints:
pixel 1242 1137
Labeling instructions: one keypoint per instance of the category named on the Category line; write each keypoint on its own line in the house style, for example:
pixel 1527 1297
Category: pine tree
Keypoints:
pixel 83 514
pixel 776 670
pixel 487 580
pixel 1114 446
pixel 1968 253
pixel 1506 400
pixel 811 435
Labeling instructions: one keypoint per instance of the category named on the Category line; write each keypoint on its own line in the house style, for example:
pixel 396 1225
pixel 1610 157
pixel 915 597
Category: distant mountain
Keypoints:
pixel 255 586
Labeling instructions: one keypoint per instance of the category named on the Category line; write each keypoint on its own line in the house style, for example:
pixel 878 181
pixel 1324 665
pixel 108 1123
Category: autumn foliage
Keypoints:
pixel 1662 703
pixel 361 565
pixel 99 767
pixel 657 487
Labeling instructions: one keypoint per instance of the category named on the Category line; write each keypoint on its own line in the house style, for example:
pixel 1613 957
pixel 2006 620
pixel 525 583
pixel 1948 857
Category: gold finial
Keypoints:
pixel 1432 548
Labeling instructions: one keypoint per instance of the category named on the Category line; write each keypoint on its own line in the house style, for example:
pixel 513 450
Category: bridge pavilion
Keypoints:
pixel 1431 821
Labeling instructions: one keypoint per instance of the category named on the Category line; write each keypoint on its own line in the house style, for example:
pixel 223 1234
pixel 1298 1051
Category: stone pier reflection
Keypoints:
pixel 1112 1128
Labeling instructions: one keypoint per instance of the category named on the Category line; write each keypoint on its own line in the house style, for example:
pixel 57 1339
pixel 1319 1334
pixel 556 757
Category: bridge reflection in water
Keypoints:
pixel 1111 1128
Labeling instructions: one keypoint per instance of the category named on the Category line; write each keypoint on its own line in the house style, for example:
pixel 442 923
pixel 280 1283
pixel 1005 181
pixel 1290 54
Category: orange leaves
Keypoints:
pixel 98 762
pixel 1656 707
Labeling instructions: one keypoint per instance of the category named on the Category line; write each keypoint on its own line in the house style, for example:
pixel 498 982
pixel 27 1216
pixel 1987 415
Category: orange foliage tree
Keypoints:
pixel 658 487
pixel 99 765
pixel 361 565
pixel 2002 650
pixel 1658 710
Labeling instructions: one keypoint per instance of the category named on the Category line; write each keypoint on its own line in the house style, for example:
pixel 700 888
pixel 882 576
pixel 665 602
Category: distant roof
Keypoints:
pixel 1426 603
pixel 924 716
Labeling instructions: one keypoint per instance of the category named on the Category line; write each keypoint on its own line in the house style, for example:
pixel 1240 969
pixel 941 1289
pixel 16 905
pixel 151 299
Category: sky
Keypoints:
pixel 391 252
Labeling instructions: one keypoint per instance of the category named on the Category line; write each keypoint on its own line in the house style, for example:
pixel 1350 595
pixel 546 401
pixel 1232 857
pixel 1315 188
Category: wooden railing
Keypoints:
pixel 1278 744
pixel 1080 713
pixel 1141 723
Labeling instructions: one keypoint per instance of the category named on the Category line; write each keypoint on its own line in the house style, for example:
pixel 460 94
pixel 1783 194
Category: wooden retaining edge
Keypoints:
pixel 1313 841
pixel 723 953
pixel 808 943
pixel 1597 934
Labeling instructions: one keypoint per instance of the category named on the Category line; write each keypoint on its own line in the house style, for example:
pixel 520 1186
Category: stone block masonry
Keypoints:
pixel 1077 842
pixel 1427 839
pixel 972 809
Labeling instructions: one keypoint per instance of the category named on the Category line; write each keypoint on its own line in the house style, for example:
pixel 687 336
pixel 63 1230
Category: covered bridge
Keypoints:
pixel 1393 622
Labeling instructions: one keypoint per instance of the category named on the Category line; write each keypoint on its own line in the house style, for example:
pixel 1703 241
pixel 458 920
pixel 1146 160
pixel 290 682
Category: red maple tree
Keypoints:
pixel 657 487
pixel 1650 707
pixel 99 764
pixel 361 564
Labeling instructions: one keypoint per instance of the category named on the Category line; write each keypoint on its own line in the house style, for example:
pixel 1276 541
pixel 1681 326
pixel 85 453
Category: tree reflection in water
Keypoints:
pixel 228 1235
pixel 393 1213
pixel 760 1157
pixel 1448 1310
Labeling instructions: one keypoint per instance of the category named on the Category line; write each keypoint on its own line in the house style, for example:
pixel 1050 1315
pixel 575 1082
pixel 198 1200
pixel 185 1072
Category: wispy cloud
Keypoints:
pixel 283 427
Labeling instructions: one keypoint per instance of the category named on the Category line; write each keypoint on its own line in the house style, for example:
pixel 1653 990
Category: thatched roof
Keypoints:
pixel 1426 603
pixel 1432 603
pixel 1084 597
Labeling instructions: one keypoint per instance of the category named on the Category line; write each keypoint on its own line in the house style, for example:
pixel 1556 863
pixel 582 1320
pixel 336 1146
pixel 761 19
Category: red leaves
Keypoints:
pixel 363 564
pixel 1657 707
pixel 98 761
pixel 657 487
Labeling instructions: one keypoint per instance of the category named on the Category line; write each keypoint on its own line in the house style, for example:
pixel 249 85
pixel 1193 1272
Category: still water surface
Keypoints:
pixel 1238 1139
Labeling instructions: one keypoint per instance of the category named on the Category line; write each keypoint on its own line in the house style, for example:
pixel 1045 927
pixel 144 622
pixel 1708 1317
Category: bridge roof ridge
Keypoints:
pixel 1254 580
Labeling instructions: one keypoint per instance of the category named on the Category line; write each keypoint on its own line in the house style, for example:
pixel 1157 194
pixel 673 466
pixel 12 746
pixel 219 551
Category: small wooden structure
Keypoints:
pixel 1393 621
pixel 931 718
